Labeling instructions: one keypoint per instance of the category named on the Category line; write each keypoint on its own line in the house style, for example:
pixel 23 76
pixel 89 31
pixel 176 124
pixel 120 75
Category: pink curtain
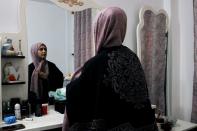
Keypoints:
pixel 194 106
pixel 83 40
pixel 153 56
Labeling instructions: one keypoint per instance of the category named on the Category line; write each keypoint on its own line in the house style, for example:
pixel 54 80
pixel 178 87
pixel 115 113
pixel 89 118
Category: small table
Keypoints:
pixel 52 120
pixel 183 126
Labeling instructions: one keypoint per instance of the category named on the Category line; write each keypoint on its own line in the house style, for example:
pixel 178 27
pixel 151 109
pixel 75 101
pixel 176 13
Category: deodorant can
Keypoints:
pixel 17 111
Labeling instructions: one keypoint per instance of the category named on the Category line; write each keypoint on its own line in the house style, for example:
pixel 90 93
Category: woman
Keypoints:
pixel 44 76
pixel 110 93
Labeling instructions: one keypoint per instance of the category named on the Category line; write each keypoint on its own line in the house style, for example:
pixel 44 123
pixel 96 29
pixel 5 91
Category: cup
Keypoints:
pixel 44 109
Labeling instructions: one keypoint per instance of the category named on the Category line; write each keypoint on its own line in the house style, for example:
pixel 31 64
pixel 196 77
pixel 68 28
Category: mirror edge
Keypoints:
pixel 141 24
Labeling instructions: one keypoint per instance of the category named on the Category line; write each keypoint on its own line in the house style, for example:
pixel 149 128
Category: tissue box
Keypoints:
pixel 60 106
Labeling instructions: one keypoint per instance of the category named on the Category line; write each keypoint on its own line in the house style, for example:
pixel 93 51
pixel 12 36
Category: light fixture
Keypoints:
pixel 77 5
pixel 72 2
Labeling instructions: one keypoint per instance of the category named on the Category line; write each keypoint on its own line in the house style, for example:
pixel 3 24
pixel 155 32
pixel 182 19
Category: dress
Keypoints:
pixel 111 87
pixel 54 81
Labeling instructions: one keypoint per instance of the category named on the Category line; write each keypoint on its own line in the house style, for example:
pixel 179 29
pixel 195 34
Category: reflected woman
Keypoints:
pixel 44 76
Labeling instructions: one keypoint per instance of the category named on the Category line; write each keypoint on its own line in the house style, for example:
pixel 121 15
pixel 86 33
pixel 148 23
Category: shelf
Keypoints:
pixel 13 82
pixel 3 56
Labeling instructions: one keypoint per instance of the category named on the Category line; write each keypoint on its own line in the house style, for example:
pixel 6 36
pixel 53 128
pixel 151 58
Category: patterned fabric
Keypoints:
pixel 121 65
pixel 129 127
pixel 122 127
pixel 153 56
pixel 112 87
pixel 83 43
pixel 194 106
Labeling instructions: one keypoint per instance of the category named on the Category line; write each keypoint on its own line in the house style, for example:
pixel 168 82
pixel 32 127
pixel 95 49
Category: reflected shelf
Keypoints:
pixel 4 56
pixel 13 82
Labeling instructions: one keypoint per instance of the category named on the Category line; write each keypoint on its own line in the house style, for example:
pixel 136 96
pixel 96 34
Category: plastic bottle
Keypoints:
pixel 17 111
pixel 9 110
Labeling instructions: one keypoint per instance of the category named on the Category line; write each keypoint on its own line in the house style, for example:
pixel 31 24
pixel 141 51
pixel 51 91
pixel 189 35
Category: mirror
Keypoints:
pixel 152 51
pixel 53 26
pixel 52 23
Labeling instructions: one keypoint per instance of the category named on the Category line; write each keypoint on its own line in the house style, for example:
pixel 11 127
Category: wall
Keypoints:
pixel 132 8
pixel 187 57
pixel 181 43
pixel 53 26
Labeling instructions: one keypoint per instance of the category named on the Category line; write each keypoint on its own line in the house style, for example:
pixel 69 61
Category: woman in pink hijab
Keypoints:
pixel 110 93
pixel 44 76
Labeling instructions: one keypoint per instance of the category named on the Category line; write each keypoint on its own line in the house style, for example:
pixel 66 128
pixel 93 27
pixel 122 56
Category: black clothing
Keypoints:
pixel 112 87
pixel 54 81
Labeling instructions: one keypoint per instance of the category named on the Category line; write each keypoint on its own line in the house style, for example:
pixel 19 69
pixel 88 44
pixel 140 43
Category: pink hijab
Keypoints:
pixel 109 30
pixel 40 66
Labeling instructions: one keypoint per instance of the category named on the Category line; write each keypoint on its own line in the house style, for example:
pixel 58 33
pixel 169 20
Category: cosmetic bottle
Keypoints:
pixel 17 111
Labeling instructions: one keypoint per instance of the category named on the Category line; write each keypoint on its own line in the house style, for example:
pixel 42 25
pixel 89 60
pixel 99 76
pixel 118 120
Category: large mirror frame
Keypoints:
pixel 22 34
pixel 152 41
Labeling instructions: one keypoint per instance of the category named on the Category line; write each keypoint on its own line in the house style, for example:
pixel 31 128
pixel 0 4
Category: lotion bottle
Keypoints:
pixel 17 111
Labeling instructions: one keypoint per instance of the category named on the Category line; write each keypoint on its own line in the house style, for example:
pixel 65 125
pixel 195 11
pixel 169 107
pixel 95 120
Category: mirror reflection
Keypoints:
pixel 53 26
pixel 50 30
pixel 50 49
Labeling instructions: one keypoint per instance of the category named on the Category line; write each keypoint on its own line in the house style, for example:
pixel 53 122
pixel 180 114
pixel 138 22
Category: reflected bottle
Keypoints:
pixel 38 111
pixel 9 110
pixel 17 111
pixel 25 109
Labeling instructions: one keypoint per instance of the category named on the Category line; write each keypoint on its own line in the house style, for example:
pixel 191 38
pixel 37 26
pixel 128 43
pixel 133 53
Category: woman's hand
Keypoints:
pixel 42 75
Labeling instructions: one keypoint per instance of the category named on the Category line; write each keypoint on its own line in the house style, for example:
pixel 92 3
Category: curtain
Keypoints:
pixel 153 57
pixel 83 40
pixel 194 104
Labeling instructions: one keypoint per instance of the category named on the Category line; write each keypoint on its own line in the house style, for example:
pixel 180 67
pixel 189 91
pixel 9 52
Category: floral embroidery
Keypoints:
pixel 128 127
pixel 126 76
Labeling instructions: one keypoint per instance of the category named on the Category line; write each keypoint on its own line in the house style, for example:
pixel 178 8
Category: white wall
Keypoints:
pixel 132 8
pixel 187 57
pixel 52 25
pixel 9 13
pixel 181 43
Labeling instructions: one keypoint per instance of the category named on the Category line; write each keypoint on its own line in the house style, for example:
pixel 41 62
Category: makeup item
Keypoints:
pixel 13 102
pixel 24 109
pixel 44 109
pixel 17 111
pixel 9 110
pixel 4 107
pixel 20 51
pixel 38 111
